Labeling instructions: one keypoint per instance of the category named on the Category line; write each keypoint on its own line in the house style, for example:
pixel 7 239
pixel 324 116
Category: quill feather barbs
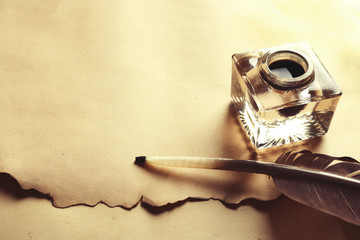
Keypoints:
pixel 326 183
pixel 333 197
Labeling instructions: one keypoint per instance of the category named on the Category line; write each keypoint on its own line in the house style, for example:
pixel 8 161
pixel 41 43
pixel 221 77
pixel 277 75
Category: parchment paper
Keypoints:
pixel 282 219
pixel 88 85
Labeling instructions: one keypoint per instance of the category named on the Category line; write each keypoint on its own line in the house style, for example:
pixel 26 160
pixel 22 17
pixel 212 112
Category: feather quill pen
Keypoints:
pixel 327 183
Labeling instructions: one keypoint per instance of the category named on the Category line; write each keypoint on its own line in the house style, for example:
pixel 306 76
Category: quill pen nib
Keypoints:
pixel 140 160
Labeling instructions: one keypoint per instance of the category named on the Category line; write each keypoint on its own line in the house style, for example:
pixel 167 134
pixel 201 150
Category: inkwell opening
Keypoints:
pixel 287 70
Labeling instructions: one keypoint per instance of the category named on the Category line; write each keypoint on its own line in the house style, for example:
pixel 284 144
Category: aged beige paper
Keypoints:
pixel 283 219
pixel 87 86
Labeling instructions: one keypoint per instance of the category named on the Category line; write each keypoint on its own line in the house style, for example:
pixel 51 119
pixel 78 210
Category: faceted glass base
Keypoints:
pixel 270 132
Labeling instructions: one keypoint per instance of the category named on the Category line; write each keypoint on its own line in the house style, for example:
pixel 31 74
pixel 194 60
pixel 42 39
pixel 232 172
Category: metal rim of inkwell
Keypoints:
pixel 281 82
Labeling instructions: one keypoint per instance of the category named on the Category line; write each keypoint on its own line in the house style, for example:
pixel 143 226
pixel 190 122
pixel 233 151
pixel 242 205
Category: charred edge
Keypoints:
pixel 258 204
pixel 10 186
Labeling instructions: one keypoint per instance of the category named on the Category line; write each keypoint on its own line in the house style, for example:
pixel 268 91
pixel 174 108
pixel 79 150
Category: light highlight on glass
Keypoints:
pixel 283 94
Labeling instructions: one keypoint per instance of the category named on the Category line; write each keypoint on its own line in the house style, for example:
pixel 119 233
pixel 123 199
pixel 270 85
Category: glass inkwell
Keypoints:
pixel 282 94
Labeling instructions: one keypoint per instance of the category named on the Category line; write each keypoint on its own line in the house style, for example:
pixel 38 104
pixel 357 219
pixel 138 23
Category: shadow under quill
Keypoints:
pixel 189 176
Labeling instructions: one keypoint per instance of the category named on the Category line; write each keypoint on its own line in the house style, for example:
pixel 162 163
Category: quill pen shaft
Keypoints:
pixel 271 169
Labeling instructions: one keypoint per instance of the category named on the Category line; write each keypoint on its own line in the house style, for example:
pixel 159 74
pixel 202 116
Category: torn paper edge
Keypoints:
pixel 145 202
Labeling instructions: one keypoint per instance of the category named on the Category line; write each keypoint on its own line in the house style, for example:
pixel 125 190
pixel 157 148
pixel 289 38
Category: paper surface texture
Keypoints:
pixel 88 85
